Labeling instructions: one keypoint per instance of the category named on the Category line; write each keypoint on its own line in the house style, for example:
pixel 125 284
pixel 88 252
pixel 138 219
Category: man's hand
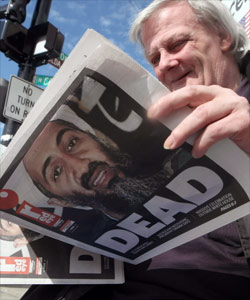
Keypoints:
pixel 218 112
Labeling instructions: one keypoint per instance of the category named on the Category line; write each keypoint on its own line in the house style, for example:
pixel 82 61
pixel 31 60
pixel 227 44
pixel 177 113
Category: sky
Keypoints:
pixel 111 18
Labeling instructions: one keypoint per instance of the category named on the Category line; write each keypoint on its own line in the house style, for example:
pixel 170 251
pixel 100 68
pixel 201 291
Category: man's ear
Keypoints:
pixel 20 242
pixel 225 41
pixel 58 202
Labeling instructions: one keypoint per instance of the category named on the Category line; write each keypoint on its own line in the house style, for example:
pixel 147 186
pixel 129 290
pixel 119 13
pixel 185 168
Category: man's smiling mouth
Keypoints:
pixel 99 176
pixel 181 77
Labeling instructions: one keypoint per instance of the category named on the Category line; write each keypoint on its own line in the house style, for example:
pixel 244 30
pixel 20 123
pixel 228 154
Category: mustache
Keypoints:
pixel 86 176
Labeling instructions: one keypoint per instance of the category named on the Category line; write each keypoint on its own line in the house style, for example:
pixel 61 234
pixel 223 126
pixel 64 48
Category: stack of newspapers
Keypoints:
pixel 87 185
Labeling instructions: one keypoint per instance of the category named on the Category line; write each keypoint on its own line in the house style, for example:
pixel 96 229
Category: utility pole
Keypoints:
pixel 21 44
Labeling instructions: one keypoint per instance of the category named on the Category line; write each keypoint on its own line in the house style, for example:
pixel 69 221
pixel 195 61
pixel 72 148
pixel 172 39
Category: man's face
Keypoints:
pixel 182 51
pixel 9 229
pixel 66 161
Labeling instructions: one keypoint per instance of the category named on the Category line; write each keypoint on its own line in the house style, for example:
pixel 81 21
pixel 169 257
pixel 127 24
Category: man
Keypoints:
pixel 195 47
pixel 196 53
pixel 75 168
pixel 10 231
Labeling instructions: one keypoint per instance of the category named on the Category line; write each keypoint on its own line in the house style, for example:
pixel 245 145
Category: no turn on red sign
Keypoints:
pixel 20 99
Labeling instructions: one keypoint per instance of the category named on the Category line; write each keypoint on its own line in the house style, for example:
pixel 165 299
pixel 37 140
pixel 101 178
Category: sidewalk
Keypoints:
pixel 12 292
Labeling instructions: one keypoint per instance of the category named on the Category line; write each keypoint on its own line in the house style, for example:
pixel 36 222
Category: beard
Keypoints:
pixel 125 194
pixel 130 193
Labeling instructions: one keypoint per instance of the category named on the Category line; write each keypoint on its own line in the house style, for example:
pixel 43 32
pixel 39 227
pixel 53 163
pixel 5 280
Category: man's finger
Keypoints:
pixel 187 96
pixel 200 117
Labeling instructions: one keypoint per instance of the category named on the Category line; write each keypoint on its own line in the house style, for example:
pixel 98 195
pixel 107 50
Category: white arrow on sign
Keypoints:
pixel 20 99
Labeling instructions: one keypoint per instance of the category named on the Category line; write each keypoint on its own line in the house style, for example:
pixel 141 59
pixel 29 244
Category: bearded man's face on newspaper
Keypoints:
pixel 63 160
pixel 75 167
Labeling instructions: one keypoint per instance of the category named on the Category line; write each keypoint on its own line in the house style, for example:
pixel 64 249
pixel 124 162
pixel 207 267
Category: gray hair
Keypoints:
pixel 210 12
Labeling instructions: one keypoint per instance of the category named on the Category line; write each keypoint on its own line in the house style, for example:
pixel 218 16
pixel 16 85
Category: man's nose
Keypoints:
pixel 77 166
pixel 167 61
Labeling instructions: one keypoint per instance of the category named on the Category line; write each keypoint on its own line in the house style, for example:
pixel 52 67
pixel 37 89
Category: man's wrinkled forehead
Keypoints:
pixel 171 15
pixel 165 11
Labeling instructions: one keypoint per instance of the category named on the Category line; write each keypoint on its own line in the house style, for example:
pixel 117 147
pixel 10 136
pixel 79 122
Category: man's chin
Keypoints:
pixel 180 84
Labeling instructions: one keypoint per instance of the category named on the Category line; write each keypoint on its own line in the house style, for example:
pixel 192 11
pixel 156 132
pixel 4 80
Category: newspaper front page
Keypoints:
pixel 93 172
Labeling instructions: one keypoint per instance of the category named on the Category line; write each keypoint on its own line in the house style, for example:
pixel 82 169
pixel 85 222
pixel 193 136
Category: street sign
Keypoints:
pixel 57 62
pixel 21 98
pixel 42 80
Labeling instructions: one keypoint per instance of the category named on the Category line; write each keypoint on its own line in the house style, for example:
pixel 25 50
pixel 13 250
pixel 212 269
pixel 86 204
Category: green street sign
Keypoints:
pixel 57 62
pixel 63 56
pixel 42 80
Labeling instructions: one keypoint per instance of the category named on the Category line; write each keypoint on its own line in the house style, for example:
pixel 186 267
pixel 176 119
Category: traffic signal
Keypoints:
pixel 16 10
pixel 37 44
pixel 12 40
pixel 44 41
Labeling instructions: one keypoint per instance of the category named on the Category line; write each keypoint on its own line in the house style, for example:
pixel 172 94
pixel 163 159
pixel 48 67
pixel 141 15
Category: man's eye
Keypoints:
pixel 177 46
pixel 57 173
pixel 71 144
pixel 155 60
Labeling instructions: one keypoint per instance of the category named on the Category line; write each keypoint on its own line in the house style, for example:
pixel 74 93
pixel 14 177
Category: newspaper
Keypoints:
pixel 88 168
pixel 37 259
